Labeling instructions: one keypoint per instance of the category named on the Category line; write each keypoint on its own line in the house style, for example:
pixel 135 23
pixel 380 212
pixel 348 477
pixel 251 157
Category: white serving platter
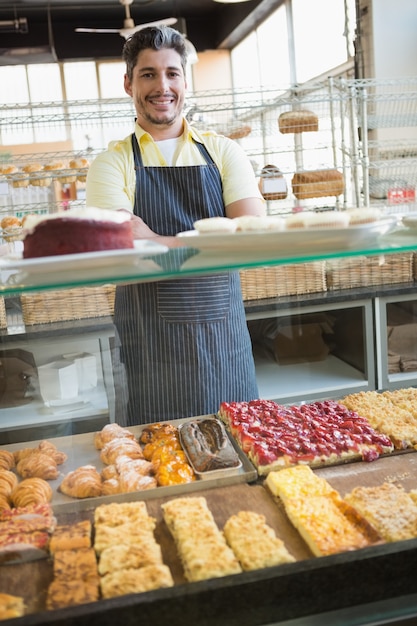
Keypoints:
pixel 85 261
pixel 293 241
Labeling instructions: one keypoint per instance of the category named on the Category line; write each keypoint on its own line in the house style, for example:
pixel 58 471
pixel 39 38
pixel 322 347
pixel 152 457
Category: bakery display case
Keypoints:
pixel 381 573
pixel 326 304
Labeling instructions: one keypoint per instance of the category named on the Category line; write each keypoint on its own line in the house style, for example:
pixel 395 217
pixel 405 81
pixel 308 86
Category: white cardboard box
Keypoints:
pixel 58 380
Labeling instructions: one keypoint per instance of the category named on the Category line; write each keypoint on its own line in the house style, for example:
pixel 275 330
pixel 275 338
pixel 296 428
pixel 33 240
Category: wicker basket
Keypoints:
pixel 283 280
pixel 364 271
pixel 70 304
pixel 3 317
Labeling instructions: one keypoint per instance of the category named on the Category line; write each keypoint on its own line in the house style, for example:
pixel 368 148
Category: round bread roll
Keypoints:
pixel 32 167
pixel 326 219
pixel 15 177
pixel 247 223
pixel 79 163
pixel 211 225
pixel 56 165
pixel 239 132
pixel 9 169
pixel 82 166
pixel 67 176
pixel 10 222
pixel 37 176
pixel 363 215
pixel 272 184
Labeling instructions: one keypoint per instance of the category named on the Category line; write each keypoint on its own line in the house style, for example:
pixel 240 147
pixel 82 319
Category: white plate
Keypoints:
pixel 293 242
pixel 87 260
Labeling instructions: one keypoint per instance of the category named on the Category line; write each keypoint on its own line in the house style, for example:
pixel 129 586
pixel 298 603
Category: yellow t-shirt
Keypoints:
pixel 111 178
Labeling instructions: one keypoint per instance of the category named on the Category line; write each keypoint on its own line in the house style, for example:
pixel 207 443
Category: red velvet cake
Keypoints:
pixel 76 231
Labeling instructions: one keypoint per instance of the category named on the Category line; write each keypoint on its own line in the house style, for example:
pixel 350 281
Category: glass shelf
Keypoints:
pixel 190 260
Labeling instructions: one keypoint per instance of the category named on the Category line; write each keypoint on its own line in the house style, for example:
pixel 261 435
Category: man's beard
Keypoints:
pixel 167 120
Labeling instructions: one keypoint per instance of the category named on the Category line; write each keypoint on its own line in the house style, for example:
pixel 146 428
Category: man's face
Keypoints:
pixel 158 88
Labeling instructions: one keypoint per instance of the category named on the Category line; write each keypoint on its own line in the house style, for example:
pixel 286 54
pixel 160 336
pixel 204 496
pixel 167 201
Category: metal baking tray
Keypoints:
pixel 80 450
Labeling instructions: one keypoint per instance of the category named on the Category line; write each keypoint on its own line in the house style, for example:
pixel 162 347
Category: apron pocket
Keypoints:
pixel 194 300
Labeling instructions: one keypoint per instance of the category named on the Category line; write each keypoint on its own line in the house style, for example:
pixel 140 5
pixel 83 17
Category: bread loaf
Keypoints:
pixel 239 132
pixel 300 121
pixel 317 183
pixel 272 184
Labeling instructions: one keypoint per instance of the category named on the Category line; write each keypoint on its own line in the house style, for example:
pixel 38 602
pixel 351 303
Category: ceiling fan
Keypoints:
pixel 129 26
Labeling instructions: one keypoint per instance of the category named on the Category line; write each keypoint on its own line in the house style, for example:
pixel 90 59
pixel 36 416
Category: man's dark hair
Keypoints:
pixel 156 38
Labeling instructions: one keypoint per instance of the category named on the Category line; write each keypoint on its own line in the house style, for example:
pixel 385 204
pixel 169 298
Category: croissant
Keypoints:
pixel 126 464
pixel 4 504
pixel 51 450
pixel 132 481
pixel 7 461
pixel 38 464
pixel 116 447
pixel 83 482
pixel 8 481
pixel 109 432
pixel 110 487
pixel 30 491
pixel 22 454
pixel 108 472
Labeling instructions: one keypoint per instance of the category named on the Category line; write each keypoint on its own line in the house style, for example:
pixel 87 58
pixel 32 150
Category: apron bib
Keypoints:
pixel 184 342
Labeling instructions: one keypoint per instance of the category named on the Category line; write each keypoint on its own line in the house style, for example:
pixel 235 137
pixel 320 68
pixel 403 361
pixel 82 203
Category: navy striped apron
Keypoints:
pixel 184 343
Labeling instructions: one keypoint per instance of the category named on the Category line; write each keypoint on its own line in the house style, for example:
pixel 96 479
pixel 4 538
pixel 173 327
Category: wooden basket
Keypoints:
pixel 364 271
pixel 283 280
pixel 68 304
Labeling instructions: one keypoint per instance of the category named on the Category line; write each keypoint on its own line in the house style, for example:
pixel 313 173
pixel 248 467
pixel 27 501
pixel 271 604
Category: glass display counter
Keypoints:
pixel 293 592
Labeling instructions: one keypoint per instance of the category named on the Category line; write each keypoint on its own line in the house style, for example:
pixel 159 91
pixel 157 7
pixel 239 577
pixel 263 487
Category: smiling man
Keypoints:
pixel 184 343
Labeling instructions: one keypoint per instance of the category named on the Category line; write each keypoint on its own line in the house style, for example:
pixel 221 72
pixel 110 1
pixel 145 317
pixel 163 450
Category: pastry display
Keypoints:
pixel 201 546
pixel 207 445
pixel 317 184
pixel 298 121
pixel 319 433
pixel 76 231
pixel 272 183
pixel 254 542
